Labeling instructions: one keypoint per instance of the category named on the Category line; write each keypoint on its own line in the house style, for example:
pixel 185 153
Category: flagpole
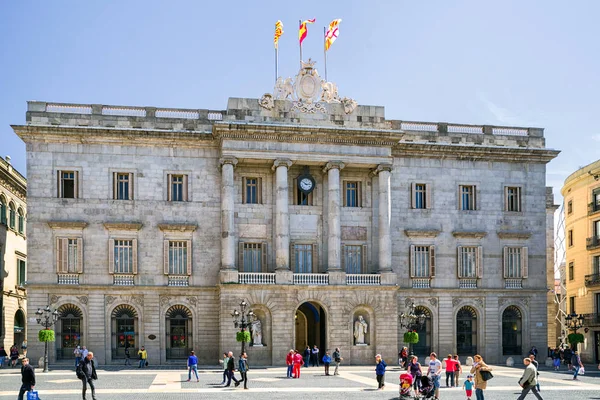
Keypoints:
pixel 325 50
pixel 299 25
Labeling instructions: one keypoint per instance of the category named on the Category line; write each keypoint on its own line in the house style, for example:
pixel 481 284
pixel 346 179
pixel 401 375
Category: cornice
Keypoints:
pixel 421 233
pixel 469 234
pixel 513 235
pixel 67 224
pixel 123 226
pixel 177 227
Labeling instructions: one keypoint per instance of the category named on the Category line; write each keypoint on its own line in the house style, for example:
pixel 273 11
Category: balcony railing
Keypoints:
pixel 592 280
pixel 256 278
pixel 123 280
pixel 591 320
pixel 467 283
pixel 593 242
pixel 68 279
pixel 363 279
pixel 513 283
pixel 421 283
pixel 311 279
pixel 178 280
pixel 593 208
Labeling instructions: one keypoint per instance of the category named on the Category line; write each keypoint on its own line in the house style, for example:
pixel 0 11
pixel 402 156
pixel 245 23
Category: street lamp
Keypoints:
pixel 244 322
pixel 412 321
pixel 47 319
pixel 574 321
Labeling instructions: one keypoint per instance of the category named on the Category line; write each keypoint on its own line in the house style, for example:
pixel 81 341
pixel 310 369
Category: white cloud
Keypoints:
pixel 596 137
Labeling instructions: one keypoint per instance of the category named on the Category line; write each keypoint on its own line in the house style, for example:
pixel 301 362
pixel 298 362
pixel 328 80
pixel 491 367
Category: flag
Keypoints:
pixel 278 33
pixel 304 30
pixel 332 33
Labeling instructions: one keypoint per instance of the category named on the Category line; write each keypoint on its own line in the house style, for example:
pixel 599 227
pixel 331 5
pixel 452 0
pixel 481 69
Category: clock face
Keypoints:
pixel 306 184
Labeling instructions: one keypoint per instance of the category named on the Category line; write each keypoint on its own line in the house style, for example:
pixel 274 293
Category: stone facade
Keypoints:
pixel 13 256
pixel 383 189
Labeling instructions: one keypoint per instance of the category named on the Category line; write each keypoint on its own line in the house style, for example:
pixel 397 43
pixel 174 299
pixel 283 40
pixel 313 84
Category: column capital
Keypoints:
pixel 382 167
pixel 281 162
pixel 228 160
pixel 334 165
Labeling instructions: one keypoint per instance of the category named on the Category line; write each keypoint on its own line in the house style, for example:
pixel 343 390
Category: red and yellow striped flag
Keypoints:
pixel 278 33
pixel 332 33
pixel 303 31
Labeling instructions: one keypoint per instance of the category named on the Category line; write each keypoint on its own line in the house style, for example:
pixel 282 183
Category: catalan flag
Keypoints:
pixel 332 33
pixel 278 33
pixel 303 31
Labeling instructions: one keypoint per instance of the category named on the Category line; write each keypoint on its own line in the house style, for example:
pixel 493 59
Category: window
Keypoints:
pixel 596 200
pixel 596 266
pixel 21 221
pixel 253 257
pixel 515 262
pixel 178 257
pixel 179 332
pixel 570 207
pixel 352 194
pixel 68 335
pixel 12 215
pixel 572 304
pixel 123 256
pixel 252 190
pixel 422 261
pixel 68 185
pixel 122 186
pixel 21 272
pixel 301 198
pixel 570 238
pixel 469 262
pixel 421 195
pixel 596 228
pixel 355 258
pixel 178 187
pixel 571 271
pixel 304 258
pixel 124 331
pixel 2 210
pixel 512 198
pixel 467 197
pixel 69 255
pixel 511 331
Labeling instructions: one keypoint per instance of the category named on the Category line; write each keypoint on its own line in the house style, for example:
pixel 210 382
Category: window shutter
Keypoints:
pixel 413 195
pixel 295 192
pixel 79 255
pixel 292 257
pixel 76 186
pixel 243 190
pixel 479 262
pixel 524 262
pixel 359 199
pixel 343 256
pixel 475 197
pixel 185 188
pixel 459 261
pixel 460 199
pixel 315 259
pixel 169 188
pixel 505 262
pixel 412 261
pixel 506 199
pixel 265 267
pixel 428 203
pixel 259 191
pixel 241 255
pixel 310 198
pixel 343 193
pixel 115 186
pixel 431 261
pixel 111 256
pixel 188 243
pixel 59 256
pixel 364 259
pixel 135 257
pixel 166 257
pixel 58 185
pixel 64 249
pixel 131 183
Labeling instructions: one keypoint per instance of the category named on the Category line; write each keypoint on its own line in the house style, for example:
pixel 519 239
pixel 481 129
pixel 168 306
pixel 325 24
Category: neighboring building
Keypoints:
pixel 581 192
pixel 13 256
pixel 151 225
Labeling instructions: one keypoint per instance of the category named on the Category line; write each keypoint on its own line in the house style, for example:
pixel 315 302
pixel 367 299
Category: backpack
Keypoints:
pixel 79 372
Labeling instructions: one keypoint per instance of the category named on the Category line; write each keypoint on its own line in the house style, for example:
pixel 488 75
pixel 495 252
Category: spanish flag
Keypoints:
pixel 303 31
pixel 332 33
pixel 278 33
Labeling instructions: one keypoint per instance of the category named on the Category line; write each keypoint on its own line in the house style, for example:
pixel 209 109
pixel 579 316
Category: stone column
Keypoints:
pixel 385 203
pixel 334 240
pixel 227 215
pixel 282 215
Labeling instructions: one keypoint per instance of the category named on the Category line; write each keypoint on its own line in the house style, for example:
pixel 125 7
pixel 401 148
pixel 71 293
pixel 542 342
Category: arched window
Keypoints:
pixel 466 331
pixel 511 331
pixel 21 227
pixel 2 210
pixel 124 332
pixel 19 328
pixel 68 335
pixel 12 215
pixel 179 332
pixel 423 347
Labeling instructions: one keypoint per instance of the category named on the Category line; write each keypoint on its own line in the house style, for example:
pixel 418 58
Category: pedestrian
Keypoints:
pixel 380 372
pixel 84 352
pixel 457 370
pixel 337 358
pixel 529 379
pixel 298 362
pixel 576 362
pixel 142 357
pixel 86 371
pixel 289 361
pixel 468 386
pixel 77 354
pixel 537 371
pixel 225 362
pixel 435 372
pixel 127 356
pixel 556 359
pixel 243 368
pixel 306 355
pixel 403 357
pixel 24 348
pixel 314 356
pixel 231 370
pixel 14 355
pixel 414 368
pixel 450 364
pixel 480 384
pixel 192 366
pixel 3 356
pixel 567 354
pixel 533 351
pixel 27 378
pixel 326 361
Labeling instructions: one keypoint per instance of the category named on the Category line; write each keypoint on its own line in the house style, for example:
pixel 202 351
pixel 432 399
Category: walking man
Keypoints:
pixel 87 373
pixel 450 365
pixel 192 366
pixel 337 358
pixel 435 371
pixel 231 370
pixel 77 354
pixel 243 368
pixel 289 360
pixel 143 356
pixel 225 362
pixel 314 356
pixel 27 378
pixel 537 371
pixel 528 380
pixel 576 362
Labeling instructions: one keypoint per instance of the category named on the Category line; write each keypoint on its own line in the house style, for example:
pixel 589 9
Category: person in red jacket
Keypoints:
pixel 289 360
pixel 298 361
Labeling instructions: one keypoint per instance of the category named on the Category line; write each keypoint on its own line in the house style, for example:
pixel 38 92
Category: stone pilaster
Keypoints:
pixel 227 215
pixel 334 240
pixel 282 215
pixel 385 240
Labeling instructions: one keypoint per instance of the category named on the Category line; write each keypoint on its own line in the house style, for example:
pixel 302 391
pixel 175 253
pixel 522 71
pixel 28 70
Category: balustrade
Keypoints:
pixel 311 279
pixel 123 280
pixel 421 283
pixel 467 283
pixel 178 280
pixel 256 278
pixel 513 283
pixel 68 279
pixel 363 279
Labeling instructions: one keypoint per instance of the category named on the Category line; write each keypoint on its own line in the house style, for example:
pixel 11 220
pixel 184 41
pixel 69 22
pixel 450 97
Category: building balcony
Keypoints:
pixel 513 283
pixel 123 280
pixel 421 283
pixel 311 279
pixel 591 320
pixel 593 208
pixel 363 279
pixel 68 279
pixel 592 242
pixel 178 280
pixel 467 283
pixel 256 278
pixel 592 280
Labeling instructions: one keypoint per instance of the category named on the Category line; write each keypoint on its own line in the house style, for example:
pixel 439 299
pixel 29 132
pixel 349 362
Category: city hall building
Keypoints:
pixel 149 226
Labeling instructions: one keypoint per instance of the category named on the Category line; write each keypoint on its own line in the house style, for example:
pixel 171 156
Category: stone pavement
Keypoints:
pixel 353 383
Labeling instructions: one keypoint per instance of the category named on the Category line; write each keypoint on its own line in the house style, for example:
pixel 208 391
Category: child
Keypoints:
pixel 406 381
pixel 326 361
pixel 468 386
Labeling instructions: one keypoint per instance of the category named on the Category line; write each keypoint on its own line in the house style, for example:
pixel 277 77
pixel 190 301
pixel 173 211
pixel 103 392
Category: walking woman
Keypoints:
pixel 380 371
pixel 243 368
pixel 480 384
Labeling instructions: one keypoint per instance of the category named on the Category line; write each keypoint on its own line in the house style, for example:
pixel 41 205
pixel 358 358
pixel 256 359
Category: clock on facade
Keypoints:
pixel 306 183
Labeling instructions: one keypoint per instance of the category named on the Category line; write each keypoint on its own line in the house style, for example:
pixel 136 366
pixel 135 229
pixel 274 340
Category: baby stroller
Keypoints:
pixel 427 389
pixel 406 381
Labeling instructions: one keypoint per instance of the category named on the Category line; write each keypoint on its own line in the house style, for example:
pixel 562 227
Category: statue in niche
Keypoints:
pixel 360 329
pixel 257 333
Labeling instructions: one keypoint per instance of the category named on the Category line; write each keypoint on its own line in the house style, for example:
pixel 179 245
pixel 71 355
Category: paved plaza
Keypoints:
pixel 353 383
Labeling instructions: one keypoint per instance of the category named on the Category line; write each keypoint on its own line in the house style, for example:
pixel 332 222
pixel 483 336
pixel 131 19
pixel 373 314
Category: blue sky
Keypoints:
pixel 518 63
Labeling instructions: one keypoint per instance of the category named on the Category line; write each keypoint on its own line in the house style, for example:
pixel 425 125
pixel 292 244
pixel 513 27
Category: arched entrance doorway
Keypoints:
pixel 124 331
pixel 19 328
pixel 68 335
pixel 466 331
pixel 311 327
pixel 179 332
pixel 422 349
pixel 511 331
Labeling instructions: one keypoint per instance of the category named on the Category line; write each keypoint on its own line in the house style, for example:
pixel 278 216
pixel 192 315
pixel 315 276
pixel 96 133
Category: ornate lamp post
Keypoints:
pixel 47 319
pixel 412 321
pixel 243 320
pixel 574 321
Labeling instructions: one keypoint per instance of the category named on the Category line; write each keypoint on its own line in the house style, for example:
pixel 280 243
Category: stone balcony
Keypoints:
pixel 593 208
pixel 592 243
pixel 270 278
pixel 592 280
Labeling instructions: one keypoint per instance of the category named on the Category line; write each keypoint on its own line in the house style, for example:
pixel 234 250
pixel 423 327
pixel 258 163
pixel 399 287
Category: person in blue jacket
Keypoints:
pixel 243 368
pixel 192 366
pixel 380 371
pixel 326 361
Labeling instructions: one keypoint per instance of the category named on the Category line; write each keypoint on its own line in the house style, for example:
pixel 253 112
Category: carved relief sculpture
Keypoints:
pixel 360 329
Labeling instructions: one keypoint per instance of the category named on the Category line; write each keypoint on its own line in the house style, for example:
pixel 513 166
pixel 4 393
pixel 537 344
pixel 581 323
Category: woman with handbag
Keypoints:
pixel 477 369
